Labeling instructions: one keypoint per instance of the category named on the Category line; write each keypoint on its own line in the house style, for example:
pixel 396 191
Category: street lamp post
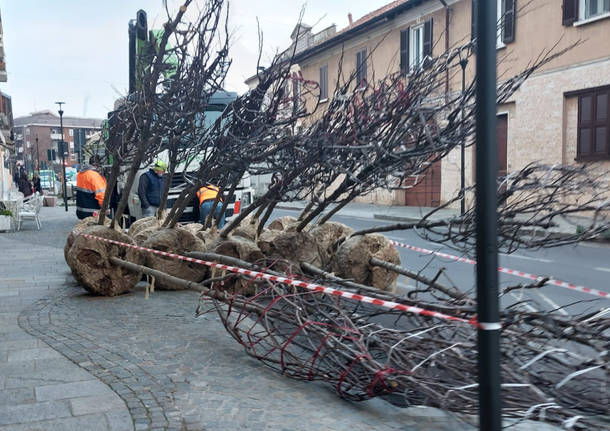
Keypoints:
pixel 37 154
pixel 486 205
pixel 63 159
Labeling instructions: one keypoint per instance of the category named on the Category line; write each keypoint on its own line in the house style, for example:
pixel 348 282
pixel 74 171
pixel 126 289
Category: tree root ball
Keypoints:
pixel 328 237
pixel 247 228
pixel 244 249
pixel 293 246
pixel 78 228
pixel 284 223
pixel 210 238
pixel 193 228
pixel 178 241
pixel 352 258
pixel 89 260
pixel 142 228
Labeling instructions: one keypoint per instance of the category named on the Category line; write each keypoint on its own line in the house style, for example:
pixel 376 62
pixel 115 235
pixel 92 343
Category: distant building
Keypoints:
pixel 39 132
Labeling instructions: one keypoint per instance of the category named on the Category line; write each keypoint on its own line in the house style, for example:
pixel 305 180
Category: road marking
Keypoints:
pixel 602 269
pixel 526 304
pixel 518 256
pixel 551 303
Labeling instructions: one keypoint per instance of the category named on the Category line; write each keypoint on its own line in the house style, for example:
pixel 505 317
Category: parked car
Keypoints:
pixel 49 181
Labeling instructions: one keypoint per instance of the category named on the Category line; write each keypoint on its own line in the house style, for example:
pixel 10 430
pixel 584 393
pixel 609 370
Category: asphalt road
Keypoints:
pixel 586 264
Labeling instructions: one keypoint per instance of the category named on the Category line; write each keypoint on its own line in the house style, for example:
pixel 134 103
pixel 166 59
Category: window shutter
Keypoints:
pixel 570 11
pixel 404 52
pixel 508 21
pixel 473 20
pixel 428 38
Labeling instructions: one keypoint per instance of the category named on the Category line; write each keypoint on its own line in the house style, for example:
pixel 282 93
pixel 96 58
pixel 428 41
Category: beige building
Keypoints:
pixel 560 115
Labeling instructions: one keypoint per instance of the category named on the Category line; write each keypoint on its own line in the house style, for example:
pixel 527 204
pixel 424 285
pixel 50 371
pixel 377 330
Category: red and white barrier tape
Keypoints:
pixel 309 286
pixel 521 274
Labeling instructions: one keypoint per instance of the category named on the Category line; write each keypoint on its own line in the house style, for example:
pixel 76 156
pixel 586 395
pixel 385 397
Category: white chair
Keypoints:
pixel 30 210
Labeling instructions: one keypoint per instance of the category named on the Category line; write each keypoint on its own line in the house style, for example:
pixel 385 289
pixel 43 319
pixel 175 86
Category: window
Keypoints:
pixel 593 141
pixel 415 46
pixel 324 82
pixel 505 24
pixel 27 132
pixel 71 132
pixel 582 10
pixel 361 67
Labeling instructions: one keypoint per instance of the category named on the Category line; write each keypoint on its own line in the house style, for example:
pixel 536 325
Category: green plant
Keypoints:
pixel 6 213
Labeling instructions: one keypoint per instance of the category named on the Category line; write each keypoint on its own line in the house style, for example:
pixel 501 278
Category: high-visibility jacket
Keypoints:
pixel 207 193
pixel 90 190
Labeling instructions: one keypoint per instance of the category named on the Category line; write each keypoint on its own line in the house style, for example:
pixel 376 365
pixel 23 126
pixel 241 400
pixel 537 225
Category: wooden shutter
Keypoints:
pixel 508 21
pixel 324 82
pixel 570 11
pixel 404 52
pixel 361 67
pixel 428 38
pixel 473 20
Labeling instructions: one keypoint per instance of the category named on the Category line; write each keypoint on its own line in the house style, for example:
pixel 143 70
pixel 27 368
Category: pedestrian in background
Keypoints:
pixel 24 185
pixel 90 189
pixel 207 195
pixel 37 185
pixel 150 187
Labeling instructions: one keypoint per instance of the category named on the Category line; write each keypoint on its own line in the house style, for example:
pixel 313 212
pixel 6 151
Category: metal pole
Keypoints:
pixel 37 154
pixel 463 64
pixel 490 408
pixel 63 159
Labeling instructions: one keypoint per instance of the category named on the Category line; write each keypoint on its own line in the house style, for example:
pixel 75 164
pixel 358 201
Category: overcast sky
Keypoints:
pixel 75 51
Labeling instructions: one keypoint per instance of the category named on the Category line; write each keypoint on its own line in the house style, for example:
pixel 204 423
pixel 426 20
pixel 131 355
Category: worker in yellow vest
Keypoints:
pixel 207 195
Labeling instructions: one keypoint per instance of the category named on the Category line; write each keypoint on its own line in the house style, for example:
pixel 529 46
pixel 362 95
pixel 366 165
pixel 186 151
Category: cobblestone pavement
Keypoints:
pixel 154 359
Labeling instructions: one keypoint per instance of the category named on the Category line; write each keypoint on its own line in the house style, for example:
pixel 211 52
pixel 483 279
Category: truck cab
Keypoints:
pixel 243 194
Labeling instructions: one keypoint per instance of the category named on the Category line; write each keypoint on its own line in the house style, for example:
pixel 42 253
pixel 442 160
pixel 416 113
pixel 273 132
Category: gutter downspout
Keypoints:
pixel 447 12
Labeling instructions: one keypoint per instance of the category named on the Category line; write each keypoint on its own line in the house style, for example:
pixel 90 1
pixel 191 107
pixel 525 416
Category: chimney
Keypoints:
pixel 349 17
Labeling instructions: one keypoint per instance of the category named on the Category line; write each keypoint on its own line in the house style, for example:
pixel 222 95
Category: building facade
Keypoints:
pixel 6 124
pixel 559 115
pixel 37 135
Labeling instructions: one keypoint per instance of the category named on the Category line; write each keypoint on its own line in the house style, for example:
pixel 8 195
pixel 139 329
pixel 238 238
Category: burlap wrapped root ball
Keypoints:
pixel 247 228
pixel 352 260
pixel 241 248
pixel 285 223
pixel 329 236
pixel 193 228
pixel 142 228
pixel 78 228
pixel 179 241
pixel 89 260
pixel 210 239
pixel 294 246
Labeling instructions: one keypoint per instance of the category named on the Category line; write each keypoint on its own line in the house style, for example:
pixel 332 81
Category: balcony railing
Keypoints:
pixel 56 136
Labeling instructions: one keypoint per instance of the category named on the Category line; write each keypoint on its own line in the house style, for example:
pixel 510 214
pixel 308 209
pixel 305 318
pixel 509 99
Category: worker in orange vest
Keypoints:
pixel 90 189
pixel 207 195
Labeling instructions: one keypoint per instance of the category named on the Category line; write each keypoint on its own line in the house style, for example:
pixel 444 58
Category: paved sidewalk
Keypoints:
pixel 40 389
pixel 73 361
pixel 381 212
pixel 405 214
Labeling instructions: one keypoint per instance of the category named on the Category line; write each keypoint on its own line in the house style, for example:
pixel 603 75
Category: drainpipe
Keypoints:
pixel 447 12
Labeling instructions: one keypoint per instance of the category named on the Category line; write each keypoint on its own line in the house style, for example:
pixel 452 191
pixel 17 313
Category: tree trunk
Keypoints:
pixel 112 180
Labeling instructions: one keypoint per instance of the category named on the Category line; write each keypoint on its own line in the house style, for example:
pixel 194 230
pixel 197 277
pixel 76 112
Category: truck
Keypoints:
pixel 244 193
